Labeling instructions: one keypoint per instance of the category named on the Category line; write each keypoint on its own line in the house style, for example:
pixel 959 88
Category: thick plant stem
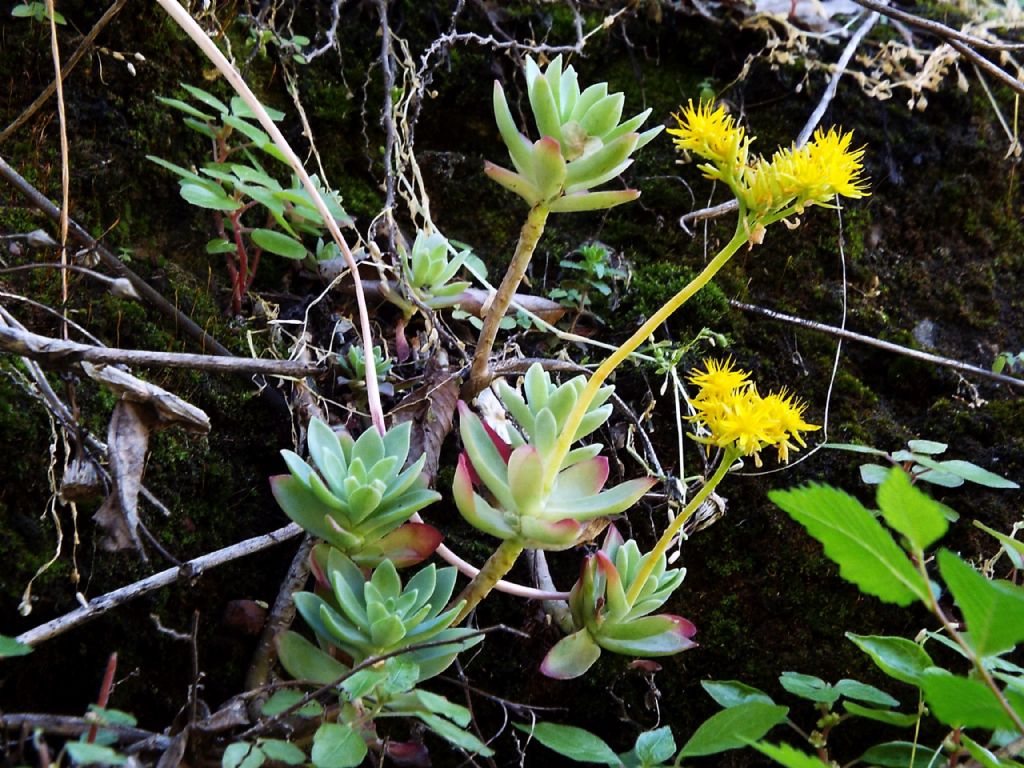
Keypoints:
pixel 529 235
pixel 599 376
pixel 731 454
pixel 497 565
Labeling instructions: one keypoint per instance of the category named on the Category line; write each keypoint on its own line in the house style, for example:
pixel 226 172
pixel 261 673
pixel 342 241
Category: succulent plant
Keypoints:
pixel 358 498
pixel 519 507
pixel 367 617
pixel 582 142
pixel 352 365
pixel 607 619
pixel 428 271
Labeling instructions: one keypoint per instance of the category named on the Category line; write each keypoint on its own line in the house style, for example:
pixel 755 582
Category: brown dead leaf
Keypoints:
pixel 115 530
pixel 127 444
pixel 431 409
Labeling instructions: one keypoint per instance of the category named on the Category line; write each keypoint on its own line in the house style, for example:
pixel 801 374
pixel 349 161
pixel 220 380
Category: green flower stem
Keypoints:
pixel 529 236
pixel 497 565
pixel 598 378
pixel 731 454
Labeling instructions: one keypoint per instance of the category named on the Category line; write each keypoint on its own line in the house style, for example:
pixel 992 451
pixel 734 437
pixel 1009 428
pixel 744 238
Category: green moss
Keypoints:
pixel 654 284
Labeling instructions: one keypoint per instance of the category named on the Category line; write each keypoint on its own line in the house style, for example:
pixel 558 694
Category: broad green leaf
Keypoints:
pixel 898 657
pixel 899 719
pixel 362 683
pixel 207 198
pixel 455 735
pixel 733 728
pixel 962 703
pixel 809 687
pixel 986 758
pixel 909 511
pixel 304 661
pixel 572 742
pixel 729 693
pixel 279 243
pixel 926 446
pixel 1014 548
pixel 873 474
pixel 336 745
pixel 282 751
pixel 9 647
pixel 968 471
pixel 219 245
pixel 783 754
pixel 854 689
pixel 82 753
pixel 282 700
pixel 900 754
pixel 993 610
pixel 655 747
pixel 856 541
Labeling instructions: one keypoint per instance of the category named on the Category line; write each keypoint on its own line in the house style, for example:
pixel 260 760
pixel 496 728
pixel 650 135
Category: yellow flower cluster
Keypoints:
pixel 729 405
pixel 793 179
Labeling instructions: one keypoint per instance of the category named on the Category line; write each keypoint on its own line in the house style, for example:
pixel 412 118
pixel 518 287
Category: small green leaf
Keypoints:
pixel 729 693
pixel 241 109
pixel 279 243
pixel 900 754
pixel 927 446
pixel 809 687
pixel 82 753
pixel 283 751
pixel 185 107
pixel 219 245
pixel 457 736
pixel 655 747
pixel 207 198
pixel 993 610
pixel 899 719
pixel 439 705
pixel 909 511
pixel 113 716
pixel 968 471
pixel 898 657
pixel 854 689
pixel 282 700
pixel 207 98
pixel 576 743
pixel 856 541
pixel 962 703
pixel 733 728
pixel 10 647
pixel 783 754
pixel 1014 548
pixel 873 474
pixel 855 448
pixel 336 745
pixel 986 758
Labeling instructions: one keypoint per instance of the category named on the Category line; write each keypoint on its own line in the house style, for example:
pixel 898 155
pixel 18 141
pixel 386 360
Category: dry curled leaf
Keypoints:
pixel 431 409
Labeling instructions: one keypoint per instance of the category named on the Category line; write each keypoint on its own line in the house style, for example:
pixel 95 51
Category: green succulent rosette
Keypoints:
pixel 367 617
pixel 357 496
pixel 428 271
pixel 582 144
pixel 607 620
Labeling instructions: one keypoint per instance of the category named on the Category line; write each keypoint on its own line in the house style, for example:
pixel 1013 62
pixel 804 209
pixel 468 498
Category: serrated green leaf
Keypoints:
pixel 809 687
pixel 729 693
pixel 205 197
pixel 10 647
pixel 898 657
pixel 279 243
pixel 962 703
pixel 575 743
pixel 82 753
pixel 900 754
pixel 783 754
pixel 336 745
pixel 993 610
pixel 282 751
pixel 909 511
pixel 899 719
pixel 865 552
pixel 733 728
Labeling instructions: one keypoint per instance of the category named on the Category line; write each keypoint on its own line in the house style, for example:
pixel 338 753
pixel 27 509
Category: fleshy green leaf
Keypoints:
pixel 899 719
pixel 304 661
pixel 962 703
pixel 809 687
pixel 734 727
pixel 909 511
pixel 207 198
pixel 853 538
pixel 898 657
pixel 993 610
pixel 575 743
pixel 783 754
pixel 279 243
pixel 336 745
pixel 729 693
pixel 571 656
